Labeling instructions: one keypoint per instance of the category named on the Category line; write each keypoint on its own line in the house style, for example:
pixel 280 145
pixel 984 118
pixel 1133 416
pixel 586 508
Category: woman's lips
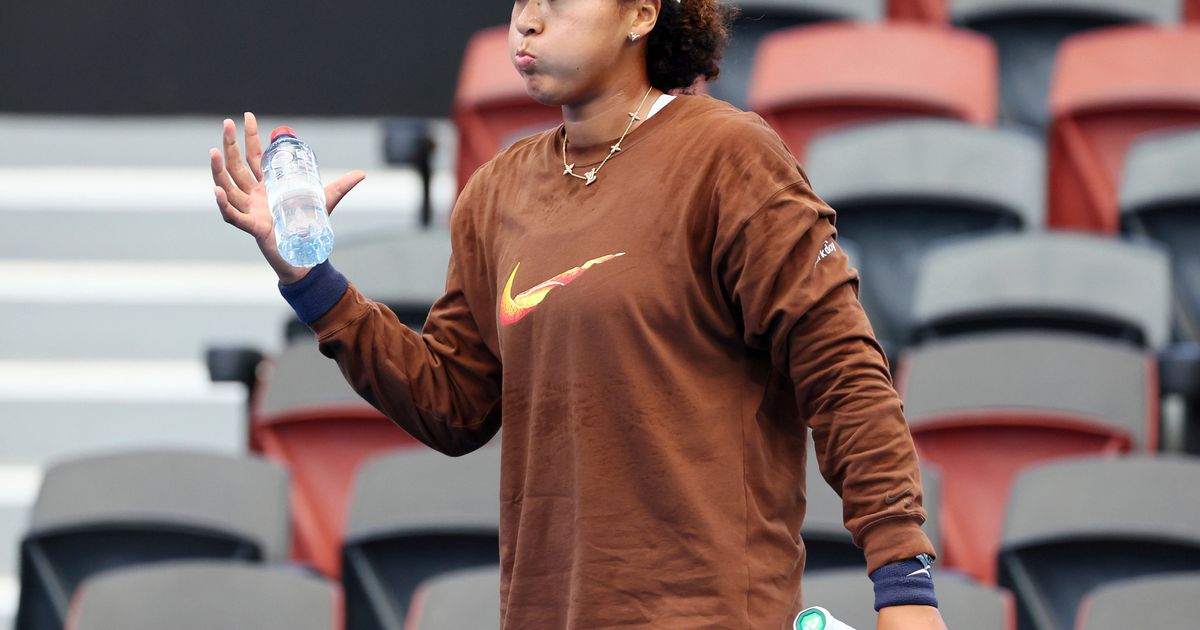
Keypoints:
pixel 524 61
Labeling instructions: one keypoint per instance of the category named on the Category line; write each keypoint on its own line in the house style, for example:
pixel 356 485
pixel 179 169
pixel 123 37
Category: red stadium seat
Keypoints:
pixel 984 408
pixel 931 11
pixel 1191 11
pixel 1110 86
pixel 309 419
pixel 490 105
pixel 809 78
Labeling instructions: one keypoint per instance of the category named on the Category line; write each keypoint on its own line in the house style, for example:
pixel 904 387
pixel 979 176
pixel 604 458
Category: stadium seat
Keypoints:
pixel 1110 86
pixel 1160 199
pixel 930 11
pixel 460 599
pixel 849 595
pixel 760 17
pixel 1027 34
pixel 415 515
pixel 105 512
pixel 201 595
pixel 899 187
pixel 311 421
pixel 1191 11
pixel 490 103
pixel 1076 525
pixel 870 72
pixel 984 407
pixel 1050 281
pixel 1158 601
pixel 827 542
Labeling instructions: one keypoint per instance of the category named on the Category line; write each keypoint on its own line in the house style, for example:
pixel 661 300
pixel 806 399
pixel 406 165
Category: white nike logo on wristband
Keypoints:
pixel 919 571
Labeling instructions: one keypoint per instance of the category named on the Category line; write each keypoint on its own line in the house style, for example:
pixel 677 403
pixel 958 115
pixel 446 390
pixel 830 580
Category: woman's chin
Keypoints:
pixel 539 90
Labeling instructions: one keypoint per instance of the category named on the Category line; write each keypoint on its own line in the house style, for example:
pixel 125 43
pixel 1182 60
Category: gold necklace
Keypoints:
pixel 589 177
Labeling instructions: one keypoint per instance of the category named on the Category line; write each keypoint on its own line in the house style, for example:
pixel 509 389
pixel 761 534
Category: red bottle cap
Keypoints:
pixel 282 131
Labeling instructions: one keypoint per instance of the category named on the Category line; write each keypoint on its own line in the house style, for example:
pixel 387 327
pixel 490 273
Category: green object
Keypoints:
pixel 810 620
pixel 817 618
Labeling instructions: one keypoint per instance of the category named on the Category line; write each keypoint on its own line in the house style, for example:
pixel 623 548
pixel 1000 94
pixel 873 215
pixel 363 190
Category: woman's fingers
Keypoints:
pixel 233 158
pixel 254 150
pixel 232 215
pixel 221 178
pixel 340 186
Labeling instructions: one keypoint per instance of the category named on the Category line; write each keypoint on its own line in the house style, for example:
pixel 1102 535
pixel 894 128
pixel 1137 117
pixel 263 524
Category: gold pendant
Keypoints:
pixel 589 177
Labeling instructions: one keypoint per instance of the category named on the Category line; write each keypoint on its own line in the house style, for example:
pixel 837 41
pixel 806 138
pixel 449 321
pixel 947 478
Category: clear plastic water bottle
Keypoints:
pixel 297 200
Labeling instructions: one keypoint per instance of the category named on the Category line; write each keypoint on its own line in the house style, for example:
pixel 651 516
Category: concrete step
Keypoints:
pixel 59 409
pixel 159 213
pixel 168 310
pixel 9 592
pixel 63 140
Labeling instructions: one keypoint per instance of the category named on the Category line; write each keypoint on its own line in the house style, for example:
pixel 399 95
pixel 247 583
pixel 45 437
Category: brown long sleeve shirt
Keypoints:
pixel 654 346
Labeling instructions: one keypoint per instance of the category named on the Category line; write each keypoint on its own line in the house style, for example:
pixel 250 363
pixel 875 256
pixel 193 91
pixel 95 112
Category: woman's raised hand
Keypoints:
pixel 242 196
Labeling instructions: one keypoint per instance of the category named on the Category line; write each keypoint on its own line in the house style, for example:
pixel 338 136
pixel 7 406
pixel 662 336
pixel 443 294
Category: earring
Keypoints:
pixel 633 37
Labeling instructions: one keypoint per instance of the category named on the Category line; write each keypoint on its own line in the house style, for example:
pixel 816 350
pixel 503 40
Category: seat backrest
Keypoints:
pixel 1112 384
pixel 1053 280
pixel 1160 601
pixel 458 600
pixel 1161 11
pixel 1160 199
pixel 490 101
pixel 245 498
pixel 1110 86
pixel 202 596
pixel 398 534
pixel 870 72
pixel 1075 525
pixel 917 160
pixel 99 513
pixel 850 596
pixel 826 539
pixel 397 268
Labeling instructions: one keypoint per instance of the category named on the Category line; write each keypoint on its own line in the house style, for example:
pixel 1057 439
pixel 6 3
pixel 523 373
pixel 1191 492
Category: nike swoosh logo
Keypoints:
pixel 920 571
pixel 889 499
pixel 513 308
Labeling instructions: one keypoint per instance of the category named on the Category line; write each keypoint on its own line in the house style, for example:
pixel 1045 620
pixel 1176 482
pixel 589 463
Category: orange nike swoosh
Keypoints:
pixel 512 309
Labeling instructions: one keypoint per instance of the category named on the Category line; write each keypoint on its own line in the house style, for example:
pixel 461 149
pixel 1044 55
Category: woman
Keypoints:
pixel 654 410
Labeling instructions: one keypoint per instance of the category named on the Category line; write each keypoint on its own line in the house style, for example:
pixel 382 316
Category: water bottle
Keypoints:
pixel 297 200
pixel 817 618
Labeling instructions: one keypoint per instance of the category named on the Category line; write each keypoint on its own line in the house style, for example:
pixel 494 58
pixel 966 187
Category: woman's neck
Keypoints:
pixel 591 124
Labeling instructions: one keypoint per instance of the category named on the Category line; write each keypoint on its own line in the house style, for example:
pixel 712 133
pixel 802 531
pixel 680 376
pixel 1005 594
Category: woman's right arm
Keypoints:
pixel 442 385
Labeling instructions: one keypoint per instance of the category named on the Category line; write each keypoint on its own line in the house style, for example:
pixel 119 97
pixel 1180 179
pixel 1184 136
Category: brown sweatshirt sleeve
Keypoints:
pixel 797 299
pixel 442 385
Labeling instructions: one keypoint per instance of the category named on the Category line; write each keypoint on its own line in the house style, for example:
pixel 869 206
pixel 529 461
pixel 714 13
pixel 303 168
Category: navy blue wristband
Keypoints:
pixel 908 582
pixel 314 294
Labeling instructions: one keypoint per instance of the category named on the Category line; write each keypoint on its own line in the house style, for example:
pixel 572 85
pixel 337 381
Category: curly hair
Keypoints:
pixel 687 42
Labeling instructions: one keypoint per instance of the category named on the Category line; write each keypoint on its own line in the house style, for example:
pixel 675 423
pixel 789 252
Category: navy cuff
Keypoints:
pixel 314 294
pixel 903 583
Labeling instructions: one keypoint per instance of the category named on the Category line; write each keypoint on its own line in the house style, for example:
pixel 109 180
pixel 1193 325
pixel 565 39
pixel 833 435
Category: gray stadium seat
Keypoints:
pixel 849 595
pixel 301 377
pixel 204 595
pixel 105 512
pixel 1027 34
pixel 827 541
pixel 1108 382
pixel 900 187
pixel 1161 602
pixel 1046 280
pixel 1160 199
pixel 405 270
pixel 759 17
pixel 1076 525
pixel 984 407
pixel 459 600
pixel 415 515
